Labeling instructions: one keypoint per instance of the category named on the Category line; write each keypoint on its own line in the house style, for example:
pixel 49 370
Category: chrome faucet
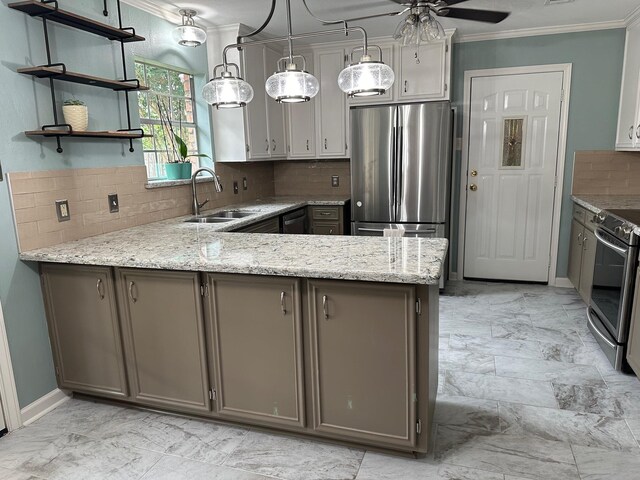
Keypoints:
pixel 216 181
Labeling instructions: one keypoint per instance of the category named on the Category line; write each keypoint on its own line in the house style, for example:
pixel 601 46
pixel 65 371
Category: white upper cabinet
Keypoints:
pixel 424 72
pixel 258 141
pixel 331 113
pixel 628 137
pixel 275 110
pixel 301 123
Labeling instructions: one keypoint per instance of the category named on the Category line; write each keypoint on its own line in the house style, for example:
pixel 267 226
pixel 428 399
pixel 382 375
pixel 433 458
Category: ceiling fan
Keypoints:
pixel 420 24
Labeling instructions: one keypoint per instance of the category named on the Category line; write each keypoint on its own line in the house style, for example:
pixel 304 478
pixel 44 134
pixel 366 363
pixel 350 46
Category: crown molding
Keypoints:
pixel 633 17
pixel 533 32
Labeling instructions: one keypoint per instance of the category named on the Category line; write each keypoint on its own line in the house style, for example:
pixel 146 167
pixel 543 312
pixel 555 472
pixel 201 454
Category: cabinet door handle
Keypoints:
pixel 131 296
pixel 580 239
pixel 307 144
pixel 331 231
pixel 631 132
pixel 282 304
pixel 325 143
pixel 273 147
pixel 325 308
pixel 100 289
pixel 584 242
pixel 638 132
pixel 267 142
pixel 406 83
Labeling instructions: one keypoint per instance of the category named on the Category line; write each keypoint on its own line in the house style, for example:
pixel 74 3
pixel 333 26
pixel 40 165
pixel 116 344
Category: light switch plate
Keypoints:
pixel 114 205
pixel 335 181
pixel 62 210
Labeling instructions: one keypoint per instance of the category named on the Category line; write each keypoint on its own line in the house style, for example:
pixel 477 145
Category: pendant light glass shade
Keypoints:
pixel 417 28
pixel 189 34
pixel 227 91
pixel 292 85
pixel 366 78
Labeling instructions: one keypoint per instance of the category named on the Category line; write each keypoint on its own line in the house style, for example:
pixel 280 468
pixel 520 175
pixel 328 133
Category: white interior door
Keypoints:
pixel 513 151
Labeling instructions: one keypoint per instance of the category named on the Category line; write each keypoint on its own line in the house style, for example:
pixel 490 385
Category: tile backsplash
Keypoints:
pixel 606 173
pixel 34 195
pixel 311 177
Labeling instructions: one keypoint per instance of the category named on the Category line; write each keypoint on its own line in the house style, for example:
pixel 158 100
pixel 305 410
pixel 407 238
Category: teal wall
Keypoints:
pixel 24 105
pixel 597 59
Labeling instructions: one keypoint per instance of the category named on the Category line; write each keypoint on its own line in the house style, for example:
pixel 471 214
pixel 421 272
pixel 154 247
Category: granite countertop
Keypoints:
pixel 177 245
pixel 597 203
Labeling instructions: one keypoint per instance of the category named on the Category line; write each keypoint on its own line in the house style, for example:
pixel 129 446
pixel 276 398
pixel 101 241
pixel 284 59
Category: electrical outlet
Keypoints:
pixel 114 206
pixel 235 188
pixel 62 209
pixel 244 183
pixel 335 181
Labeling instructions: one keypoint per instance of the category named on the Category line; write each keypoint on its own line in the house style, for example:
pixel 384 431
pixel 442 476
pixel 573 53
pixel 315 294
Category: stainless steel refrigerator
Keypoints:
pixel 401 169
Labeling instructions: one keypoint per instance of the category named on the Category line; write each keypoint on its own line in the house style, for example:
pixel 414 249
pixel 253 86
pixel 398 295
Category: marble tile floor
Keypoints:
pixel 525 393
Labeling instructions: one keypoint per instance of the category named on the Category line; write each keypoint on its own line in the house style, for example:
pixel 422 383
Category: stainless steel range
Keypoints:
pixel 609 311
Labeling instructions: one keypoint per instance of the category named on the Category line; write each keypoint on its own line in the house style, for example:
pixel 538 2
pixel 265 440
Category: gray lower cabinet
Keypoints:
pixel 256 337
pixel 633 347
pixel 326 220
pixel 271 225
pixel 84 329
pixel 582 252
pixel 362 356
pixel 163 331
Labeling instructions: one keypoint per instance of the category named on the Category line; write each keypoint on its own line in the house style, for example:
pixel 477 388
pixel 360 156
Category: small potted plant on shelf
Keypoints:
pixel 178 166
pixel 76 114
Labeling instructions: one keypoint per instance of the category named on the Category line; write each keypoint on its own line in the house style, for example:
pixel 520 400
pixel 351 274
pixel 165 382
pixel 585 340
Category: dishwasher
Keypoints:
pixel 295 222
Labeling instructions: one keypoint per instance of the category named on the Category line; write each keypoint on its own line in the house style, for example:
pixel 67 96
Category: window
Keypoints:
pixel 172 91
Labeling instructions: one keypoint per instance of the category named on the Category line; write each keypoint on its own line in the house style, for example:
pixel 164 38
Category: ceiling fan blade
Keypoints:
pixel 453 2
pixel 487 16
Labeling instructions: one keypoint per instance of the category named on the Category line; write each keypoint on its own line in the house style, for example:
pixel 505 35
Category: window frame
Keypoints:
pixel 151 122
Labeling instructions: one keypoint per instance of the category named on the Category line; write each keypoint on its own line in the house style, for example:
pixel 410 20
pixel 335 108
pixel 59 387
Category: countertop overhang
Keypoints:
pixel 176 245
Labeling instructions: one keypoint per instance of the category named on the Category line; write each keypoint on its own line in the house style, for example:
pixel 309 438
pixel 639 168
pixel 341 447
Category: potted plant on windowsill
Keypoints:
pixel 178 166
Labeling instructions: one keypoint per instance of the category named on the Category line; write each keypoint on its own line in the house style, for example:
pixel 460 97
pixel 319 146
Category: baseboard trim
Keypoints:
pixel 43 405
pixel 563 282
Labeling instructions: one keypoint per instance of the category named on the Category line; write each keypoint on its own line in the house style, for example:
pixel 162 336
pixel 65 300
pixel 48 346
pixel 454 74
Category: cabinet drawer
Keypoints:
pixel 579 213
pixel 325 228
pixel 325 213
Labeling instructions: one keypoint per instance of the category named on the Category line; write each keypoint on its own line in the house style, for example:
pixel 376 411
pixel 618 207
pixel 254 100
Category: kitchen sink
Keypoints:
pixel 231 214
pixel 208 219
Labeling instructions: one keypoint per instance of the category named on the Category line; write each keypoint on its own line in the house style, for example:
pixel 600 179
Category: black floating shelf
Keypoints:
pixel 73 77
pixel 87 134
pixel 36 8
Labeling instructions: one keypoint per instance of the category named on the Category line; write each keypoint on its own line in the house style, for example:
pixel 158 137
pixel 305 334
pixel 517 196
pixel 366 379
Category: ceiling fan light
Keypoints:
pixel 189 34
pixel 366 78
pixel 227 91
pixel 292 85
pixel 431 29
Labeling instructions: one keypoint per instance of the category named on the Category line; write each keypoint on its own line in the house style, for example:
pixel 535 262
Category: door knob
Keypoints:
pixel 474 173
pixel 473 187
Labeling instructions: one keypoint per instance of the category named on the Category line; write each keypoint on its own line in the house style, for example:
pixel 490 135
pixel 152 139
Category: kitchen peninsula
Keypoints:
pixel 294 332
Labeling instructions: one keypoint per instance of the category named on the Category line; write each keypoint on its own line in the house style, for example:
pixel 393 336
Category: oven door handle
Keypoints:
pixel 621 251
pixel 597 330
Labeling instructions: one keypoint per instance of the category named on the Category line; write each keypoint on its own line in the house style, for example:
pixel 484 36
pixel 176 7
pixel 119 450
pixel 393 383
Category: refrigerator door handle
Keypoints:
pixel 398 170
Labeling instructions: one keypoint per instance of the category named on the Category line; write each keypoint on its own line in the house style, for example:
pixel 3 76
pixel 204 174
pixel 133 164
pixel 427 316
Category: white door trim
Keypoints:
pixel 8 392
pixel 469 75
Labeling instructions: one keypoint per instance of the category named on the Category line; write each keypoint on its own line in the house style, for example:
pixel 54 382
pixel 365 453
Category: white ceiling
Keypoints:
pixel 526 14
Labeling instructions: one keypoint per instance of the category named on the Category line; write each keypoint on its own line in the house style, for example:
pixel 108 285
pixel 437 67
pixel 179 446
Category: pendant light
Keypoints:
pixel 366 78
pixel 227 90
pixel 189 34
pixel 291 85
